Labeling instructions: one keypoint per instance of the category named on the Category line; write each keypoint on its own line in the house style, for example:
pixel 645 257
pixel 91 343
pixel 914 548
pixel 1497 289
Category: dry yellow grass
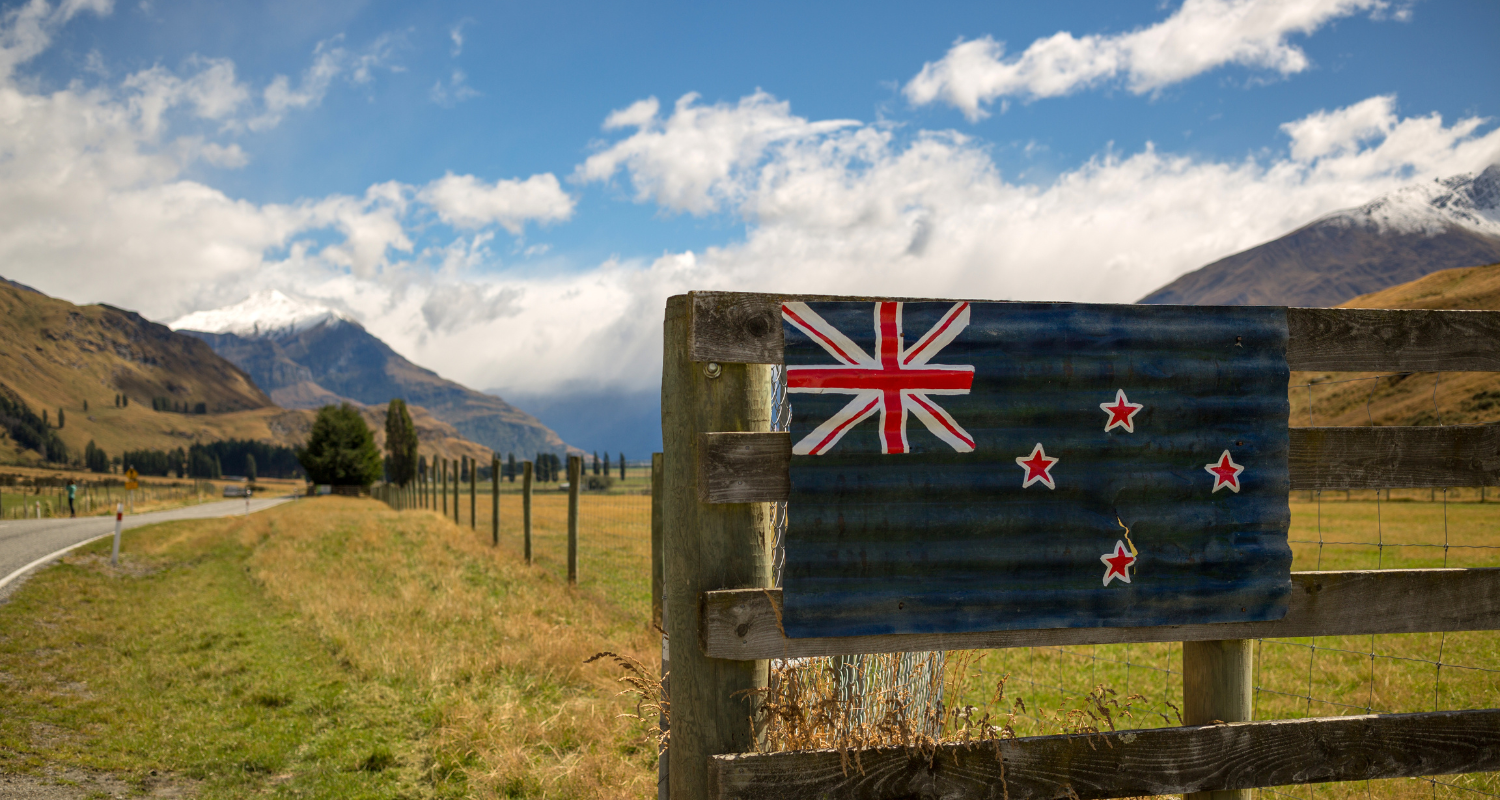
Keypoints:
pixel 412 597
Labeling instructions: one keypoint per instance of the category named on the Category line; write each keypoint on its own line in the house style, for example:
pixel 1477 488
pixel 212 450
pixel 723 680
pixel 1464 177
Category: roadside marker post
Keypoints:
pixel 495 501
pixel 114 553
pixel 526 469
pixel 575 474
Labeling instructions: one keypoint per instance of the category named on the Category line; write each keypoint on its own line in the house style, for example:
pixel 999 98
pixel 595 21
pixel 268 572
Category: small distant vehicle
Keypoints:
pixel 236 490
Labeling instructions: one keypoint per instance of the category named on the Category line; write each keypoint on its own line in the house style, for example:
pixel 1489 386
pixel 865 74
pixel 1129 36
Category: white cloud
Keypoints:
pixel 465 201
pixel 456 33
pixel 856 209
pixel 1200 36
pixel 26 29
pixel 330 61
pixel 702 156
pixel 454 91
pixel 1339 131
pixel 96 208
pixel 636 115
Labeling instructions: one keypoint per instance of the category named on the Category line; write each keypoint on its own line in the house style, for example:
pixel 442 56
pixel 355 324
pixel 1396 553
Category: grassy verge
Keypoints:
pixel 329 648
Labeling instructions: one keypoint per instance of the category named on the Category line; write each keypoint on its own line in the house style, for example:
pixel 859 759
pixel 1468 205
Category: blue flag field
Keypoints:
pixel 962 467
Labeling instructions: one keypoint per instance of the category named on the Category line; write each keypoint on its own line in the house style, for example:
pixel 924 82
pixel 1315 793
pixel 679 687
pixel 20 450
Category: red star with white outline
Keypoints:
pixel 1226 473
pixel 1117 564
pixel 1121 413
pixel 1038 467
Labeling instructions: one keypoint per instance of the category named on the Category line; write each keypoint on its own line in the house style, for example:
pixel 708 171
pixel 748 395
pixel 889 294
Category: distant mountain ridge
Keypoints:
pixel 304 355
pixel 1415 231
pixel 66 359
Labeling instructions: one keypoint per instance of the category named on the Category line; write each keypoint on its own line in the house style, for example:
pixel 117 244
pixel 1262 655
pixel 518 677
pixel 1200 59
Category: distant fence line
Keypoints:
pixel 598 537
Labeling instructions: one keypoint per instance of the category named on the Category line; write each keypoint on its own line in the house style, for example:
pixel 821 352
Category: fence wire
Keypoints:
pixel 1321 676
pixel 614 528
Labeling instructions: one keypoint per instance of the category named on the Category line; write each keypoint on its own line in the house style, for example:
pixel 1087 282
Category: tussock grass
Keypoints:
pixel 327 648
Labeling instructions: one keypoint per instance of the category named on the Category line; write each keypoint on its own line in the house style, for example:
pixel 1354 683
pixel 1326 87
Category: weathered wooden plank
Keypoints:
pixel 753 467
pixel 1394 457
pixel 1131 763
pixel 723 476
pixel 1387 340
pixel 740 327
pixel 745 624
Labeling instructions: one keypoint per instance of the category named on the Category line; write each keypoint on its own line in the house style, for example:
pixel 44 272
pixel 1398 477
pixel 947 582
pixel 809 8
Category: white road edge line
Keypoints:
pixel 50 557
pixel 60 553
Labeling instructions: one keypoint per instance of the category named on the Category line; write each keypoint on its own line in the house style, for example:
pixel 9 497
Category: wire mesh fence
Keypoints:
pixel 1293 678
pixel 92 498
pixel 614 530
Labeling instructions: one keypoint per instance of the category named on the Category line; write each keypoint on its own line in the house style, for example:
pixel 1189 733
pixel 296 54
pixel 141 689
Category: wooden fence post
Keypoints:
pixel 457 491
pixel 575 475
pixel 526 467
pixel 707 547
pixel 473 493
pixel 495 500
pixel 1217 686
pixel 444 487
pixel 656 563
pixel 658 616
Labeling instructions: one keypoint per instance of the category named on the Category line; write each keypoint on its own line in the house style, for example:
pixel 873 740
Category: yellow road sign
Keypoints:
pixel 130 476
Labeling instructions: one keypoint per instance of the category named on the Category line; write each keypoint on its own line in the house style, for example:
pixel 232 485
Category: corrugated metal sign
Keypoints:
pixel 968 467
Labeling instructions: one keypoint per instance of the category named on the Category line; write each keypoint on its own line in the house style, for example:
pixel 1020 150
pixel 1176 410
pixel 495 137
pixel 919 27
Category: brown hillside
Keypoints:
pixel 1416 399
pixel 55 355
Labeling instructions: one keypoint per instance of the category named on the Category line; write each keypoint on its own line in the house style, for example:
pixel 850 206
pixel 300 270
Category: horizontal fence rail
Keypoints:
pixel 753 467
pixel 744 328
pixel 1241 755
pixel 744 624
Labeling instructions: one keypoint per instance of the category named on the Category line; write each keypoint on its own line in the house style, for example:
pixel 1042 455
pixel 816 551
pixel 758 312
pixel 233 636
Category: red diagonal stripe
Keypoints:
pixel 834 434
pixel 827 342
pixel 920 380
pixel 935 332
pixel 938 415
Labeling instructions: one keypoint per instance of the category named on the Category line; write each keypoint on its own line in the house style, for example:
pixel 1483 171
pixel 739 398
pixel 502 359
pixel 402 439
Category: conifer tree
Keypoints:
pixel 400 443
pixel 511 468
pixel 622 466
pixel 61 418
pixel 340 449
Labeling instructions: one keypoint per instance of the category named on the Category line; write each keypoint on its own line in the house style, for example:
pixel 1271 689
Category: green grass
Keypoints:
pixel 180 661
pixel 328 648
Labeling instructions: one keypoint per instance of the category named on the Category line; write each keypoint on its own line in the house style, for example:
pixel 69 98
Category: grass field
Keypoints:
pixel 1306 677
pixel 338 648
pixel 327 648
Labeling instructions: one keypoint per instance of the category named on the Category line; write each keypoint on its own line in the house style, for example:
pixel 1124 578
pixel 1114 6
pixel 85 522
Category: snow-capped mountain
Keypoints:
pixel 1409 233
pixel 1467 201
pixel 305 355
pixel 268 313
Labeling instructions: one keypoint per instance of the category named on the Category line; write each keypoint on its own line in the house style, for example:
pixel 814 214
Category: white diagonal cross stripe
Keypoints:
pixel 895 382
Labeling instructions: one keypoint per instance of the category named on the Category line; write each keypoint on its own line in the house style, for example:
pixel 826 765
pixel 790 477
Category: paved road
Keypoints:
pixel 24 541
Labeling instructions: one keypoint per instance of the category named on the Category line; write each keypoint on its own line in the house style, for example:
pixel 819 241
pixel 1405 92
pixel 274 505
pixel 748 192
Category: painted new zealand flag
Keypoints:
pixel 989 466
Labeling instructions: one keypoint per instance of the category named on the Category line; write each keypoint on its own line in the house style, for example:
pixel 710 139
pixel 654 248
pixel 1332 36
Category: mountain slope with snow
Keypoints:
pixel 1405 235
pixel 268 313
pixel 305 355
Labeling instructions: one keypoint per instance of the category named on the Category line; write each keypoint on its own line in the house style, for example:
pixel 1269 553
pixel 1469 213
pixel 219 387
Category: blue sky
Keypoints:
pixel 540 177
